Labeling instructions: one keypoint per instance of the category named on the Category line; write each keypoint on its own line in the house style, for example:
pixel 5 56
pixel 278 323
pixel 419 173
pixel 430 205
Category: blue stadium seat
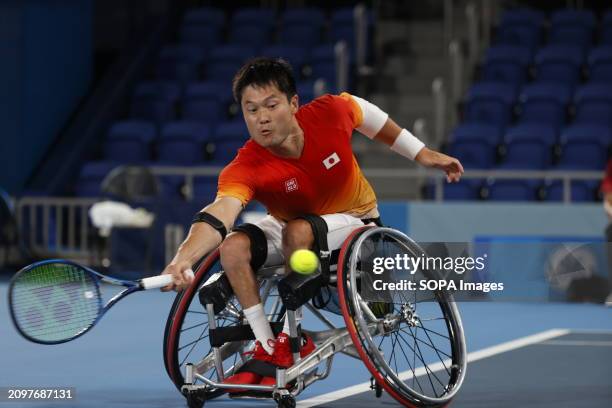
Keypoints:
pixel 204 16
pixel 296 56
pixel 526 154
pixel 306 91
pixel 465 190
pixel 179 62
pixel 203 36
pixel 223 151
pixel 477 131
pixel 543 133
pixel 504 72
pixel 579 155
pixel 91 176
pixel 526 35
pixel 206 101
pixel 252 35
pixel 262 17
pixel 559 63
pixel 129 142
pixel 600 64
pixel 580 191
pixel 234 131
pixel 506 63
pixel 133 129
pixel 225 60
pixel 196 131
pixel 231 53
pixel 594 104
pixel 490 102
pixel 172 186
pixel 182 143
pixel 606 28
pixel 343 16
pixel 304 35
pixel 473 154
pixel 522 16
pixel 204 189
pixel 544 103
pixel 304 16
pixel 587 132
pixel 583 18
pixel 323 65
pixel 572 27
pixel 155 101
pixel 560 93
pixel 571 35
pixel 512 190
pixel 222 71
pixel 514 54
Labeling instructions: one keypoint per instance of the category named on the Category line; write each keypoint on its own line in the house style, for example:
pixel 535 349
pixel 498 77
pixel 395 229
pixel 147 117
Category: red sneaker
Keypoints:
pixel 244 377
pixel 247 377
pixel 259 353
pixel 282 356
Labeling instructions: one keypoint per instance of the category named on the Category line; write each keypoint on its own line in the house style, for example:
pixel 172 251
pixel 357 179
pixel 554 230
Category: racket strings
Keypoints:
pixel 55 302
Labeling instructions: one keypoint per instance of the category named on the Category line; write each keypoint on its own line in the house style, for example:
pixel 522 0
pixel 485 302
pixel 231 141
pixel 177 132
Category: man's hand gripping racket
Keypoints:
pixel 56 301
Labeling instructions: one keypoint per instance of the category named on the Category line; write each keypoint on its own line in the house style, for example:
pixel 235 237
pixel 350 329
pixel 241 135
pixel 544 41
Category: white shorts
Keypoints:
pixel 339 226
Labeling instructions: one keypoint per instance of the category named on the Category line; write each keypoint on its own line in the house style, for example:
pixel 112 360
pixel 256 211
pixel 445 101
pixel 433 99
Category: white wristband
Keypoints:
pixel 373 117
pixel 407 145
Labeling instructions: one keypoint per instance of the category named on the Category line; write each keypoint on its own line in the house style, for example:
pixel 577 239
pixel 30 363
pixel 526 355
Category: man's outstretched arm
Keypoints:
pixel 391 134
pixel 202 238
pixel 377 125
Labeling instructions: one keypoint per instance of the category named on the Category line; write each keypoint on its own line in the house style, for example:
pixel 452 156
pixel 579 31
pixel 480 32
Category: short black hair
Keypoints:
pixel 264 71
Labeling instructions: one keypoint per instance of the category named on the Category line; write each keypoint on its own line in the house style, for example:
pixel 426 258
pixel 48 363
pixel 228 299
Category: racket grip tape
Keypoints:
pixel 160 281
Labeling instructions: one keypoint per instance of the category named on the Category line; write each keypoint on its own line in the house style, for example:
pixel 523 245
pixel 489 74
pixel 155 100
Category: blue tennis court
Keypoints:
pixel 530 355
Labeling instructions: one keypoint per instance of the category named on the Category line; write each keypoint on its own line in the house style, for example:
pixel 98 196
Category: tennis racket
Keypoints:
pixel 56 301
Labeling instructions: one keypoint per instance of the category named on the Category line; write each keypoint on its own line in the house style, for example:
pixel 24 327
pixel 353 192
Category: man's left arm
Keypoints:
pixel 377 125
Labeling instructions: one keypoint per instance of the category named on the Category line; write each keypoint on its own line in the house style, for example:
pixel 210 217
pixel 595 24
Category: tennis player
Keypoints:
pixel 300 165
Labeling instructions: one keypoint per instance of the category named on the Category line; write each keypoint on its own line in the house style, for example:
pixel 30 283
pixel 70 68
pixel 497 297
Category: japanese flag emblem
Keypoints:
pixel 331 160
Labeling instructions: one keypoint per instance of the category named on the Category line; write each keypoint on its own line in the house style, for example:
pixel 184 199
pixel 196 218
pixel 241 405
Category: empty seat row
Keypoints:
pixel 494 102
pixel 581 147
pixel 565 64
pixel 567 26
pixel 204 101
pixel 304 27
pixel 186 63
pixel 181 143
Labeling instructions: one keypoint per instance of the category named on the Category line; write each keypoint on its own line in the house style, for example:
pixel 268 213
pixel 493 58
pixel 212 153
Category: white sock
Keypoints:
pixel 298 319
pixel 256 317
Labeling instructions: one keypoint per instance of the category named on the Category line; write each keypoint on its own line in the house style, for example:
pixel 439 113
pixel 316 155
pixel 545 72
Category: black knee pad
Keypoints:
pixel 259 244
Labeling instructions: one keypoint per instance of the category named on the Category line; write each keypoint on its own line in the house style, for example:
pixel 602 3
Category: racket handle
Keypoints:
pixel 160 281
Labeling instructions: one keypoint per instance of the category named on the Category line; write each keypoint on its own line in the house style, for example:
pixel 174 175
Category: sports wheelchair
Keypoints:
pixel 412 342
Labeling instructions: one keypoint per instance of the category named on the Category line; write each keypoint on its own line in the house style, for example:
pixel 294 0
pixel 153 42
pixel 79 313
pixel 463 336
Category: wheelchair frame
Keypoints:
pixel 305 371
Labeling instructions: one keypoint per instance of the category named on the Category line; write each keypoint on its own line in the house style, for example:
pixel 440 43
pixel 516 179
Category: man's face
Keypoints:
pixel 268 114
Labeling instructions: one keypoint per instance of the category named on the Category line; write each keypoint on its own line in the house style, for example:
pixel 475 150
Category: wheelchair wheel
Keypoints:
pixel 411 341
pixel 186 337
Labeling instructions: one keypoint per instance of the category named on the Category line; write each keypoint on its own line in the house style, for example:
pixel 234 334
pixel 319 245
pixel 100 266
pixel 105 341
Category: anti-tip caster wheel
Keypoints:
pixel 285 401
pixel 194 399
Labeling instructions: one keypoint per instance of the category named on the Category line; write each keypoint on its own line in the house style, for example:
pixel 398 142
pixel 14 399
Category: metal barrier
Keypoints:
pixel 51 226
pixel 60 227
pixel 342 65
pixel 418 175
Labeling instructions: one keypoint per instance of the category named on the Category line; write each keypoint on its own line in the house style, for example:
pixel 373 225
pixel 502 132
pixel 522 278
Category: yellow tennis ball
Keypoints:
pixel 304 261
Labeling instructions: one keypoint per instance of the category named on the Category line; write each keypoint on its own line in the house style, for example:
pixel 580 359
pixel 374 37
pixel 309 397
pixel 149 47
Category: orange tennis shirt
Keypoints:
pixel 326 179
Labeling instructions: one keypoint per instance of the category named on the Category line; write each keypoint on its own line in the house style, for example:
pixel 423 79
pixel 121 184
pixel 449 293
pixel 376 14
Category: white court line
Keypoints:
pixel 471 357
pixel 577 343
